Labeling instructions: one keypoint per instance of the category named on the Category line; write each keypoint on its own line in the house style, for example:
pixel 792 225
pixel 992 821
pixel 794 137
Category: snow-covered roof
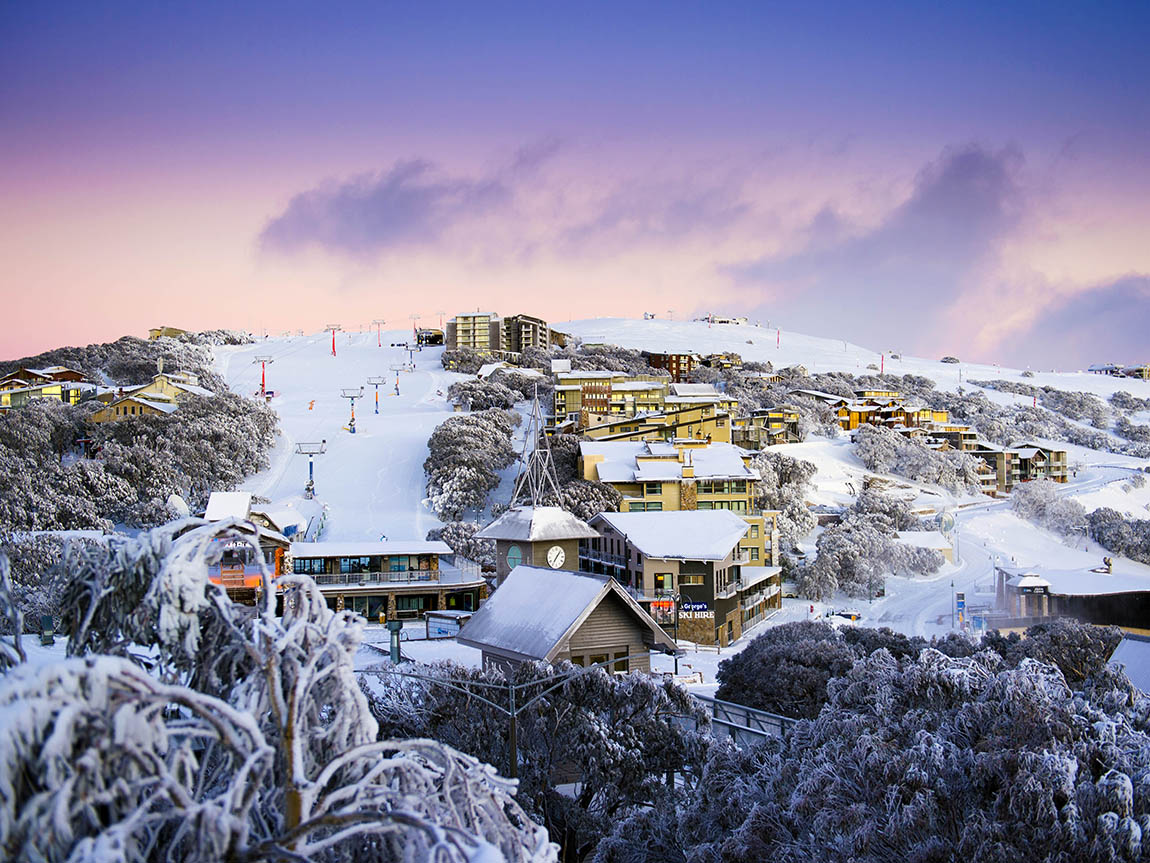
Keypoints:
pixel 1028 452
pixel 641 461
pixel 1133 652
pixel 819 394
pixel 162 406
pixel 589 375
pixel 1028 580
pixel 694 390
pixel 534 613
pixel 369 549
pixel 696 400
pixel 228 504
pixel 488 369
pixel 682 535
pixel 283 518
pixel 537 524
pixel 192 388
pixel 924 539
pixel 637 386
pixel 1127 577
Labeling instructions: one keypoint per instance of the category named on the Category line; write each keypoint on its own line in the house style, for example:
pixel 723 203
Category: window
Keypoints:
pixel 596 658
pixel 308 565
pixel 754 552
pixel 704 504
pixel 655 506
pixel 754 531
pixel 690 578
pixel 621 661
pixel 652 488
pixel 664 581
pixel 354 564
pixel 398 563
pixel 577 660
pixel 409 603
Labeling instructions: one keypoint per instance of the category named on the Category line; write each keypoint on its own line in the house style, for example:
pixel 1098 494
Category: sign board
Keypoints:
pixel 697 615
pixel 946 523
pixel 694 606
pixel 960 601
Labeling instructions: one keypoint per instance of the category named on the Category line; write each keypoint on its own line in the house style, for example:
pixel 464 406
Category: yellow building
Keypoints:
pixel 480 331
pixel 767 427
pixel 165 332
pixel 685 475
pixel 700 422
pixel 161 396
pixel 607 393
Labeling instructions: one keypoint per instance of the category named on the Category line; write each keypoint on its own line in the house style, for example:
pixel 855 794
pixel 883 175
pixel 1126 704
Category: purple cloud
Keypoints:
pixel 891 282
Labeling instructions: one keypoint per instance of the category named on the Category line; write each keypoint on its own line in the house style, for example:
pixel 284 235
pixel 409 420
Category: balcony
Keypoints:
pixel 603 557
pixel 448 575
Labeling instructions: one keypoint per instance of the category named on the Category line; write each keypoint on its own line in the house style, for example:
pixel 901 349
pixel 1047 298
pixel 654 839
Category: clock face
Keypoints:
pixel 514 557
pixel 555 557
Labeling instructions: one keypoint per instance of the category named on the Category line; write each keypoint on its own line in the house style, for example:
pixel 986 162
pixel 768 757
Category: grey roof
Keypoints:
pixel 534 613
pixel 537 524
pixel 1133 653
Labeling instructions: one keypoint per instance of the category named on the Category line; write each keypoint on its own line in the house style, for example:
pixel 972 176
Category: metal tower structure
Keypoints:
pixel 352 393
pixel 375 381
pixel 311 450
pixel 536 477
pixel 379 322
pixel 333 328
pixel 263 360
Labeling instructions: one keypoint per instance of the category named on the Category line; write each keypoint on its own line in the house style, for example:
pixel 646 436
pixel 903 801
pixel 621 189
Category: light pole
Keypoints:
pixel 952 603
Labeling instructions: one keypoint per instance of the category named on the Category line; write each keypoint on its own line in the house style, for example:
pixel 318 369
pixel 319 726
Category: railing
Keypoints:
pixel 443 575
pixel 745 726
pixel 726 591
pixel 603 557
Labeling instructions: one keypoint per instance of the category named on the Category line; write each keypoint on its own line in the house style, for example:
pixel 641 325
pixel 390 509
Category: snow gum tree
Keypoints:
pixel 925 758
pixel 616 736
pixel 246 739
pixel 464 453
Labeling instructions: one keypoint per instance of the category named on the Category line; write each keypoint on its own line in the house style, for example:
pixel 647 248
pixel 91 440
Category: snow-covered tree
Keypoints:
pixel 619 736
pixel 885 451
pixel 1127 537
pixel 925 758
pixel 784 485
pixel 464 453
pixel 1040 502
pixel 249 739
pixel 460 535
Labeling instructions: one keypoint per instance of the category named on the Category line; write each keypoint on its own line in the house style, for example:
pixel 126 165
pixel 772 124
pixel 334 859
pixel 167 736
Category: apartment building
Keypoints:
pixel 677 365
pixel 479 331
pixel 689 568
pixel 767 427
pixel 698 422
pixel 684 475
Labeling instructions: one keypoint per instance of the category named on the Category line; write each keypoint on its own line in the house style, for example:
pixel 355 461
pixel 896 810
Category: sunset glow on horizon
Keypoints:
pixel 972 181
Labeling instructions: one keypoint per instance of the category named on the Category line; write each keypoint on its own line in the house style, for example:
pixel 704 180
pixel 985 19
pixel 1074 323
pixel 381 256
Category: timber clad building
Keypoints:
pixel 542 615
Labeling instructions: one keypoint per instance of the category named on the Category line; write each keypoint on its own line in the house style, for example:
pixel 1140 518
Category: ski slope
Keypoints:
pixel 784 348
pixel 372 482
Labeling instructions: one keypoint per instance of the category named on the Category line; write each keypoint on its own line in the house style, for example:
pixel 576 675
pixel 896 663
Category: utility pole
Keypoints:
pixel 379 322
pixel 441 314
pixel 263 360
pixel 375 381
pixel 333 328
pixel 311 450
pixel 952 603
pixel 352 393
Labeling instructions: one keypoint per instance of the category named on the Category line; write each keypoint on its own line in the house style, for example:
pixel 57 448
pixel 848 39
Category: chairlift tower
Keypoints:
pixel 379 322
pixel 397 368
pixel 375 381
pixel 263 360
pixel 441 314
pixel 333 329
pixel 351 394
pixel 311 450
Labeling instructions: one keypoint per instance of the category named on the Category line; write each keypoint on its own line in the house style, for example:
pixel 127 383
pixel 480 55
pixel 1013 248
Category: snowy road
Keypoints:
pixel 372 481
